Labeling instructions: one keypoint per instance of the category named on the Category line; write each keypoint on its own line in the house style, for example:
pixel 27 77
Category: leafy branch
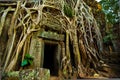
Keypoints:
pixel 28 60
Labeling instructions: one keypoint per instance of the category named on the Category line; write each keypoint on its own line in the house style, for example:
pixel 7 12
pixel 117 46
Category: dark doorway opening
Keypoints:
pixel 72 55
pixel 50 61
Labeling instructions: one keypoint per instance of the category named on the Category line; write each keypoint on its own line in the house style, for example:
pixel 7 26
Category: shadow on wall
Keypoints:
pixel 50 61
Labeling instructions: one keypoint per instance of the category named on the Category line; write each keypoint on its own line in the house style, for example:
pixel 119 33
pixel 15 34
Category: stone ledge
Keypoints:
pixel 28 74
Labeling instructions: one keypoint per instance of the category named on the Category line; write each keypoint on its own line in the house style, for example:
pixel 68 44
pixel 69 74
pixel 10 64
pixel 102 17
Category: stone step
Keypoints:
pixel 54 78
pixel 28 74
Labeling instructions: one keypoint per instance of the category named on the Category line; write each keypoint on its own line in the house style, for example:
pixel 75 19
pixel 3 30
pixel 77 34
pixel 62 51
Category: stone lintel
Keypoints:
pixel 51 35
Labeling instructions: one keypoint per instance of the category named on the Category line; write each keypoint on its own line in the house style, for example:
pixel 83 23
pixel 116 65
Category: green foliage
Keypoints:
pixel 110 8
pixel 28 60
pixel 24 62
pixel 107 39
pixel 68 11
pixel 28 56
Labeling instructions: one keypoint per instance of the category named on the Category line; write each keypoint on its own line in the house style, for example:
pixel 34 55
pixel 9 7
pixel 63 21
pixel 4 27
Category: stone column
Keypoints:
pixel 37 50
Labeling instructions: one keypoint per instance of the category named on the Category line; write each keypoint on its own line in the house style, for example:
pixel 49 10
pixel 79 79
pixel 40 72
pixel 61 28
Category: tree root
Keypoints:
pixel 81 31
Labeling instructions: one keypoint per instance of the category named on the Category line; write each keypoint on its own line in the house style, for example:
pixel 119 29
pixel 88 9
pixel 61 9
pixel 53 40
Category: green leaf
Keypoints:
pixel 30 62
pixel 28 56
pixel 68 11
pixel 24 63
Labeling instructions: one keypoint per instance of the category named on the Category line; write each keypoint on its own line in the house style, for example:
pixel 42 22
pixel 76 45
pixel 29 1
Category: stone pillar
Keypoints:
pixel 57 59
pixel 36 50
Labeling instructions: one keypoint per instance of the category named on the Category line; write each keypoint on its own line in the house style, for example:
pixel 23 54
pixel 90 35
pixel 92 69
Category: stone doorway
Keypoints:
pixel 51 58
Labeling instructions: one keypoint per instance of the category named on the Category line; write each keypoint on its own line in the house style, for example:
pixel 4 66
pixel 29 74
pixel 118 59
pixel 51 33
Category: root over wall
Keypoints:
pixel 21 19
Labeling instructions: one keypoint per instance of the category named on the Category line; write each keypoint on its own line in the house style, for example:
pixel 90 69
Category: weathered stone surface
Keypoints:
pixel 28 74
pixel 36 50
pixel 36 74
pixel 13 75
pixel 51 23
pixel 51 35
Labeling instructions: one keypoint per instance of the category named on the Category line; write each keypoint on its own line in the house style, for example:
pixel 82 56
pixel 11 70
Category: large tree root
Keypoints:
pixel 81 30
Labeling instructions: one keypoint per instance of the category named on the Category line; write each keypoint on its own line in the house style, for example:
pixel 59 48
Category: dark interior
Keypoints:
pixel 49 58
pixel 72 55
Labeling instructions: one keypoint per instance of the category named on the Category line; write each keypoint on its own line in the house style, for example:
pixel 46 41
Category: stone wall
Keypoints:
pixel 28 74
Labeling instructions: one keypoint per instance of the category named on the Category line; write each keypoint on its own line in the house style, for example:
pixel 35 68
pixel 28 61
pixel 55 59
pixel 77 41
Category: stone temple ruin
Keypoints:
pixel 48 44
pixel 42 29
